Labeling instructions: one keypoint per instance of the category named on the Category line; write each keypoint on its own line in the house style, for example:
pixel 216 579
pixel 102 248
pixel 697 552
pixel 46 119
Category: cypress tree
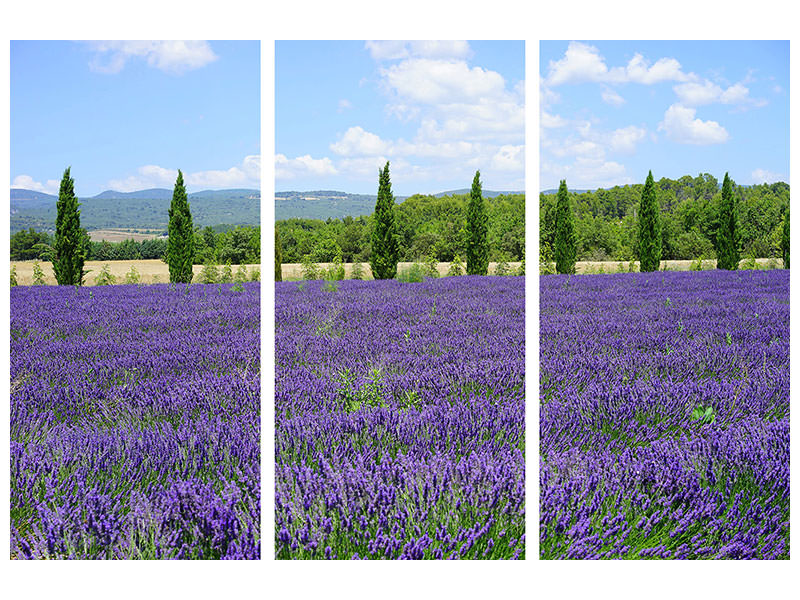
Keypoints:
pixel 649 227
pixel 180 243
pixel 727 234
pixel 384 243
pixel 565 240
pixel 785 239
pixel 69 252
pixel 477 229
pixel 278 256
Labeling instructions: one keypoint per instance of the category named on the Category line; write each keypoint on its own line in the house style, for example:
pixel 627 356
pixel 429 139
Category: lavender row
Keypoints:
pixel 664 418
pixel 400 419
pixel 135 422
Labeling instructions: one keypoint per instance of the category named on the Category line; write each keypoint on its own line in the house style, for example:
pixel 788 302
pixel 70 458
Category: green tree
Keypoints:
pixel 69 248
pixel 649 227
pixel 180 243
pixel 477 229
pixel 727 233
pixel 278 259
pixel 565 239
pixel 785 239
pixel 384 242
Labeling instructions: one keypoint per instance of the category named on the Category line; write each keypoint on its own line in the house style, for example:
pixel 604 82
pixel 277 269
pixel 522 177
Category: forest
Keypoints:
pixel 427 226
pixel 606 222
pixel 236 245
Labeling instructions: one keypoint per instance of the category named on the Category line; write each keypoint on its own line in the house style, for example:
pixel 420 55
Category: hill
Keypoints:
pixel 331 204
pixel 143 209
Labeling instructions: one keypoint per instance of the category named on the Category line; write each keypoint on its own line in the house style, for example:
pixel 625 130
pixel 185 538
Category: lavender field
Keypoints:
pixel 400 428
pixel 135 422
pixel 664 416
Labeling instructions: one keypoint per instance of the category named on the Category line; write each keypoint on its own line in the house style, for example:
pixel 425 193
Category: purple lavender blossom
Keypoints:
pixel 664 415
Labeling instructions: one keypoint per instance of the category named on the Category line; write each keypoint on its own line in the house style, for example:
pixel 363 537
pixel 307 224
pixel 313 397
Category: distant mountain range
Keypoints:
pixel 331 204
pixel 555 191
pixel 143 209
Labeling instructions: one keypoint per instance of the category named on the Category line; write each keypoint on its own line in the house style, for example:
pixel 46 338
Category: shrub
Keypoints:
pixel 357 272
pixel 430 267
pixel 14 276
pixel 310 268
pixel 456 267
pixel 501 269
pixel 105 277
pixel 413 274
pixel 132 276
pixel 209 274
pixel 226 276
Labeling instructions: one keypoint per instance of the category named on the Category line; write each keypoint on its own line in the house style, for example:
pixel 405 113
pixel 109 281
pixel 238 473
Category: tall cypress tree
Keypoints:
pixel 69 252
pixel 565 240
pixel 785 239
pixel 649 227
pixel 727 234
pixel 180 243
pixel 384 243
pixel 278 256
pixel 477 229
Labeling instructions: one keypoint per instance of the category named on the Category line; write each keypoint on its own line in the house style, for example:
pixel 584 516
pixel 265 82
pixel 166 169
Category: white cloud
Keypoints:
pixel 27 182
pixel 430 81
pixel 398 49
pixel 625 139
pixel 302 166
pixel 509 158
pixel 611 97
pixel 697 93
pixel 582 62
pixel 549 121
pixel 344 104
pixel 174 57
pixel 585 172
pixel 639 70
pixel 245 175
pixel 358 142
pixel 764 176
pixel 682 127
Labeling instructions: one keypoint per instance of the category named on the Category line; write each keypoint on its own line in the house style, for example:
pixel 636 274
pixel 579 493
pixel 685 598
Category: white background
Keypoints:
pixel 382 19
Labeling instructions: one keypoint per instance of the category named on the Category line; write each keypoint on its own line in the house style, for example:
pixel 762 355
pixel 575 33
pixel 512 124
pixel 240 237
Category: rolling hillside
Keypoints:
pixel 143 210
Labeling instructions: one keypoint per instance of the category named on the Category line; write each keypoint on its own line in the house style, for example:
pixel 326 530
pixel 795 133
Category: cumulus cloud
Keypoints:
pixel 585 172
pixel 764 176
pixel 302 166
pixel 173 57
pixel 245 175
pixel 398 49
pixel 430 81
pixel 358 142
pixel 625 139
pixel 509 158
pixel 583 62
pixel 681 126
pixel 26 182
pixel 697 93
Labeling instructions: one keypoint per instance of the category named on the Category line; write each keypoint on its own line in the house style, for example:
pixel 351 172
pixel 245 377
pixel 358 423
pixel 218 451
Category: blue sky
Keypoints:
pixel 611 111
pixel 438 111
pixel 127 115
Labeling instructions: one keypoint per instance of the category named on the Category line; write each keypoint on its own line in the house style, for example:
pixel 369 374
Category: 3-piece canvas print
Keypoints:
pixel 396 261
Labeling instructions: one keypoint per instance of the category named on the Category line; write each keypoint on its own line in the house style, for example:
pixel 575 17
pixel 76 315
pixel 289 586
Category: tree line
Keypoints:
pixel 421 227
pixel 723 221
pixel 427 227
pixel 184 246
pixel 606 221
